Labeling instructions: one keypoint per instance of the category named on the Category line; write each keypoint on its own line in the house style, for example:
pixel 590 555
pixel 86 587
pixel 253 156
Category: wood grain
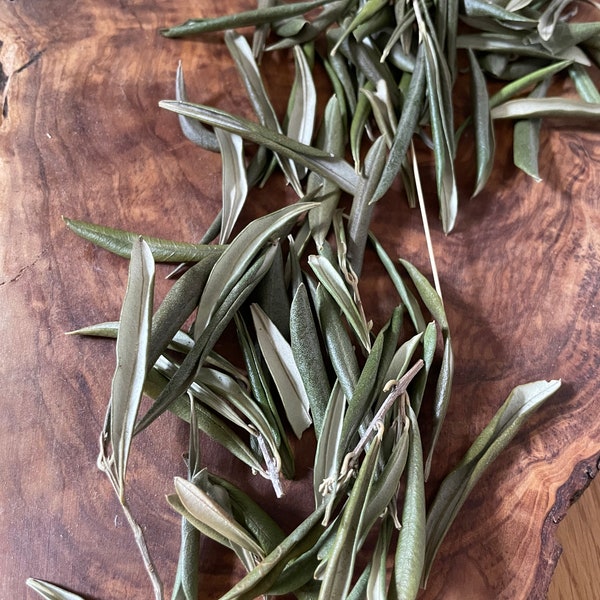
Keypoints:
pixel 82 136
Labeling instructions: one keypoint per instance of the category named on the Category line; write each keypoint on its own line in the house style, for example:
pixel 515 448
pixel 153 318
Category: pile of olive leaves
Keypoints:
pixel 289 284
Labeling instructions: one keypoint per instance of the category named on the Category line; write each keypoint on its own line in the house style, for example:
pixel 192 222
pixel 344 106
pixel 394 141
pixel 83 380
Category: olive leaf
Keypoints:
pixel 264 575
pixel 203 508
pixel 280 360
pixel 526 138
pixel 206 340
pixel 234 180
pixel 259 16
pixel 524 108
pixel 454 489
pixel 410 550
pixel 328 444
pixel 128 379
pixel 340 562
pixel 121 242
pixel 303 102
pixel 338 342
pixel 334 284
pixel 331 140
pixel 49 591
pixel 327 165
pixel 240 253
pixel 192 129
pixel 305 345
pixel 584 84
pixel 484 129
pixel 250 75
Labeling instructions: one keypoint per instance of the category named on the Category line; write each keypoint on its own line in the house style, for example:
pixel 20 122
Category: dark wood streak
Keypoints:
pixel 84 137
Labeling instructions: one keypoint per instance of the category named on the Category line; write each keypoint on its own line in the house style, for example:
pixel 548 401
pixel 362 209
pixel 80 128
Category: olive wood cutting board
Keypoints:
pixel 81 135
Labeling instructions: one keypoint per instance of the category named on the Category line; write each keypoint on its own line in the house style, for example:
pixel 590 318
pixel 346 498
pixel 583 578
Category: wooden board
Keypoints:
pixel 82 135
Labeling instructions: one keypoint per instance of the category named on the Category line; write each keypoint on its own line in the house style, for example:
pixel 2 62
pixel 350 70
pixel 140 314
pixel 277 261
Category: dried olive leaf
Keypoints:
pixel 248 18
pixel 205 509
pixel 325 464
pixel 206 420
pixel 304 102
pixel 251 515
pixel 362 205
pixel 338 342
pixel 525 108
pixel 132 348
pixel 334 284
pixel 584 84
pixel 250 75
pixel 304 341
pixel 191 128
pixel 330 139
pixel 409 118
pixel 120 242
pixel 206 340
pixel 234 180
pixel 484 129
pixel 234 262
pixel 410 551
pixel 280 360
pixel 266 573
pixel 340 561
pixel 334 168
pixel 50 591
pixel 457 485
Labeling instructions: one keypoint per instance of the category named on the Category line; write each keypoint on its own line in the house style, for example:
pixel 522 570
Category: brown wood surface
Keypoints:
pixel 82 135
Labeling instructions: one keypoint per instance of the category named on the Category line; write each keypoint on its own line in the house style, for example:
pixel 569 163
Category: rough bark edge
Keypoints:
pixel 583 474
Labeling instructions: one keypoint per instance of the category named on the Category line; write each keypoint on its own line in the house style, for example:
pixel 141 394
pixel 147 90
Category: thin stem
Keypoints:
pixel 436 279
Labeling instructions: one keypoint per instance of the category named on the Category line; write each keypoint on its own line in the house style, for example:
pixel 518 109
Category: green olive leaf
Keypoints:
pixel 584 84
pixel 207 421
pixel 221 317
pixel 330 139
pixel 407 124
pixel 362 205
pixel 280 359
pixel 457 485
pixel 266 573
pixel 121 242
pixel 240 254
